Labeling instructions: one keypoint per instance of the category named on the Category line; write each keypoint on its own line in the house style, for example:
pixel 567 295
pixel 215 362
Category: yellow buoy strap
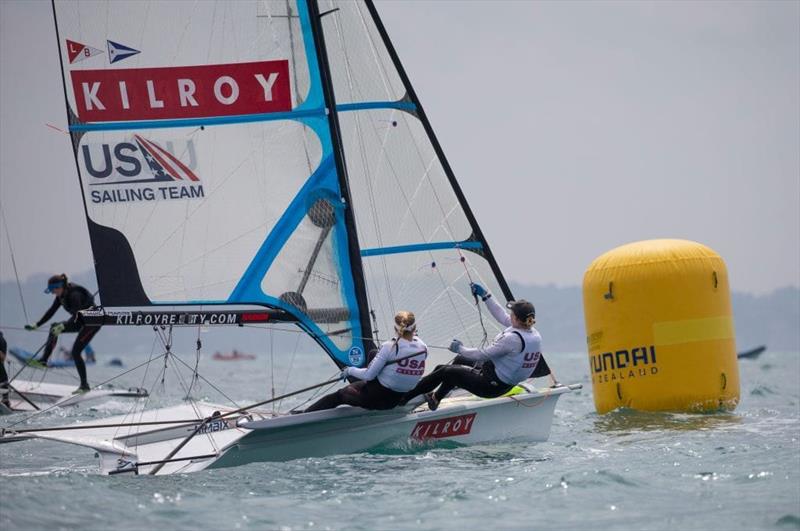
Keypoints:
pixel 690 330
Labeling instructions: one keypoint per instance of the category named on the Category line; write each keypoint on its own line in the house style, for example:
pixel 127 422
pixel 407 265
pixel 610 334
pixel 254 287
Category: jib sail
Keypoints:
pixel 420 243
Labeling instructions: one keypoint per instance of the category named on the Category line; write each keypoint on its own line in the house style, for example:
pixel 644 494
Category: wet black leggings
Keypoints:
pixel 481 381
pixel 369 395
pixel 85 335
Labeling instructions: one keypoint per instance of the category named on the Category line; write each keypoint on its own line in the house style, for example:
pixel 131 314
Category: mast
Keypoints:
pixel 354 250
pixel 420 113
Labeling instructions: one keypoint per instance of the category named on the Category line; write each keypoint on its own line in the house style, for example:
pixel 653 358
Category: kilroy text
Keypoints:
pixel 123 94
pixel 442 428
pixel 172 318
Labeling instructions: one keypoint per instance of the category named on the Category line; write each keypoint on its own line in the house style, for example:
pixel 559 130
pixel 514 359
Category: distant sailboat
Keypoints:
pixel 752 353
pixel 234 355
pixel 269 166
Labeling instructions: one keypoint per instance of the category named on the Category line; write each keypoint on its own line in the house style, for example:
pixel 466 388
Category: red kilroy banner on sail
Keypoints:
pixel 441 428
pixel 181 92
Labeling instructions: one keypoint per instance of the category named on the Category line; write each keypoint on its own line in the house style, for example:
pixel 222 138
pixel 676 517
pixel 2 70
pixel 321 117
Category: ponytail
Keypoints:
pixel 404 323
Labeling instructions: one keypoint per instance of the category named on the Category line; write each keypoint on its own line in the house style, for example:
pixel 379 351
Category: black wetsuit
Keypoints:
pixel 369 395
pixel 477 378
pixel 3 374
pixel 74 299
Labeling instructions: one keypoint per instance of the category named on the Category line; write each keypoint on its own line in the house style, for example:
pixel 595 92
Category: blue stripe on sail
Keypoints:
pixel 240 118
pixel 366 105
pixel 314 99
pixel 249 286
pixel 197 122
pixel 248 290
pixel 417 247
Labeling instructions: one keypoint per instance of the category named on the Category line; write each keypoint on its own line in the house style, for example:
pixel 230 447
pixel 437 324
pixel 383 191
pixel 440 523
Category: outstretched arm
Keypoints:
pixel 507 344
pixel 49 313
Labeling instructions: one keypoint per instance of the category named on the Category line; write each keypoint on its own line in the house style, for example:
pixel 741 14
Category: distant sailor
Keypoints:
pixel 3 375
pixel 383 383
pixel 72 298
pixel 494 370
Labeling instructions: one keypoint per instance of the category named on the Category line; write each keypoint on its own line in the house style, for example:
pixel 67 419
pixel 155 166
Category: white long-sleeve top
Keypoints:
pixel 401 376
pixel 514 360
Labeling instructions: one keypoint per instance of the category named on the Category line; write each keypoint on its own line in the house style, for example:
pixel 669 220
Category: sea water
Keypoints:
pixel 624 470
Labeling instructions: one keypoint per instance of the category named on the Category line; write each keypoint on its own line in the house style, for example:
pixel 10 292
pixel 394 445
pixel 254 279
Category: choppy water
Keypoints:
pixel 625 470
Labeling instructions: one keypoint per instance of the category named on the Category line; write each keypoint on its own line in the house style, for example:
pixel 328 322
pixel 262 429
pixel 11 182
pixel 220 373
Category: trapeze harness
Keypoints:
pixel 382 384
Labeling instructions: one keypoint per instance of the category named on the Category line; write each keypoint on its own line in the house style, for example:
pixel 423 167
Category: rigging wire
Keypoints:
pixel 132 411
pixel 27 418
pixel 485 339
pixel 14 263
pixel 272 366
pixel 195 374
pixel 351 336
pixel 215 388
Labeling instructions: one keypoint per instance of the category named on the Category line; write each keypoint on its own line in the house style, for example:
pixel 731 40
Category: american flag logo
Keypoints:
pixel 163 164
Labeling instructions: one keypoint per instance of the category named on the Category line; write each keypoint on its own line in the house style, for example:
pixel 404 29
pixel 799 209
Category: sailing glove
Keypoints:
pixel 344 374
pixel 31 327
pixel 455 346
pixel 57 328
pixel 479 291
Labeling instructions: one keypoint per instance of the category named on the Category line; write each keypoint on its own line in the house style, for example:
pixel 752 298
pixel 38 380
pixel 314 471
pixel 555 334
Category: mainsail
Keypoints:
pixel 268 153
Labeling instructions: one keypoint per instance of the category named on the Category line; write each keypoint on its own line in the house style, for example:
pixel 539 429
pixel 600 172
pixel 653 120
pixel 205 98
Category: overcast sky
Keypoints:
pixel 573 127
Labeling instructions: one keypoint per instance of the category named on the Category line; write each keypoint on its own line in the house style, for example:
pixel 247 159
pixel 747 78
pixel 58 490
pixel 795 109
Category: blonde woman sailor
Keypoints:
pixel 494 370
pixel 393 371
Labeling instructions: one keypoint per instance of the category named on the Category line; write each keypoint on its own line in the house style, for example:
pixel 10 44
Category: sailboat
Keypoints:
pixel 28 396
pixel 269 163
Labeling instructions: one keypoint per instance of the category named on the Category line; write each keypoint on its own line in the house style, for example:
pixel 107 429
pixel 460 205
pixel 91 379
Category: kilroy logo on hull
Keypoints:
pixel 116 167
pixel 443 428
pixel 624 364
pixel 123 94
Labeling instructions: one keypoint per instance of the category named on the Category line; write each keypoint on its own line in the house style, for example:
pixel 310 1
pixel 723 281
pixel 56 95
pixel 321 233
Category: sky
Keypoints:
pixel 572 127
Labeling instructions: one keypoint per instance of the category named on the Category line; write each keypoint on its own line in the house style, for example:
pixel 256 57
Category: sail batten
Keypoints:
pixel 419 247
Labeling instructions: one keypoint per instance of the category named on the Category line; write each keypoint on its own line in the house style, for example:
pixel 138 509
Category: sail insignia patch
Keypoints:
pixel 118 52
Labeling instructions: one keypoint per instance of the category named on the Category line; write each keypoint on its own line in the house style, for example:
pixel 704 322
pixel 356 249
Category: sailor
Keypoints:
pixel 392 372
pixel 494 370
pixel 72 298
pixel 3 375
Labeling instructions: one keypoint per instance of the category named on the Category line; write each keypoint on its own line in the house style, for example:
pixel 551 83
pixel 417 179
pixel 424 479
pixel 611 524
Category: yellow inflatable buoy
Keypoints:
pixel 659 328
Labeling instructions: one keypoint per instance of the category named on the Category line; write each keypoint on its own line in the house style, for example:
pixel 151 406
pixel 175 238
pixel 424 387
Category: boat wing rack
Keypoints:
pixel 203 316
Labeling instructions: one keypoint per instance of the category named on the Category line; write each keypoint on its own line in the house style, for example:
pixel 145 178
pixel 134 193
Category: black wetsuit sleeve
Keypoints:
pixel 49 313
pixel 3 344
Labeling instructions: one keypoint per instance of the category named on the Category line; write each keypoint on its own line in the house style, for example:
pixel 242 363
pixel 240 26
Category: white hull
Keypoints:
pixel 461 420
pixel 46 395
